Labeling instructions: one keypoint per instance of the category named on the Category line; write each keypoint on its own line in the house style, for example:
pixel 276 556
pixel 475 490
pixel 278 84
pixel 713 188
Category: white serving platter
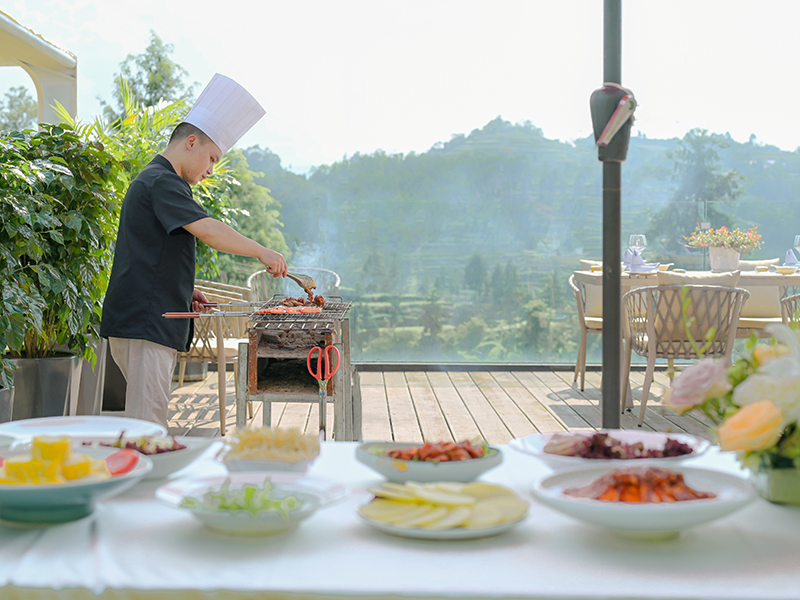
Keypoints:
pixel 647 520
pixel 534 445
pixel 454 533
pixel 86 425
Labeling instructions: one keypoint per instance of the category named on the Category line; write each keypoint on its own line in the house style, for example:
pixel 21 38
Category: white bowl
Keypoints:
pixel 86 425
pixel 394 469
pixel 313 493
pixel 266 466
pixel 647 520
pixel 164 463
pixel 783 270
pixel 62 502
pixel 534 445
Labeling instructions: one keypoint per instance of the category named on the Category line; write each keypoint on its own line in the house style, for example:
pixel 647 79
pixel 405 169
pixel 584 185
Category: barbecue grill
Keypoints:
pixel 272 364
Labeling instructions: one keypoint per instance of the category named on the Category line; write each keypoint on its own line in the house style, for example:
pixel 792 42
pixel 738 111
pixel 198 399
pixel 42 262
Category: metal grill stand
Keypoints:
pixel 272 365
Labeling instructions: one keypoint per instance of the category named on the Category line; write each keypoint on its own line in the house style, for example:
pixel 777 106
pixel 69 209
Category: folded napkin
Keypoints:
pixel 791 259
pixel 632 261
pixel 632 258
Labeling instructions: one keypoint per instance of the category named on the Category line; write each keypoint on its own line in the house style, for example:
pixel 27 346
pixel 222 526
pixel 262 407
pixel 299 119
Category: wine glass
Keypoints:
pixel 797 243
pixel 638 242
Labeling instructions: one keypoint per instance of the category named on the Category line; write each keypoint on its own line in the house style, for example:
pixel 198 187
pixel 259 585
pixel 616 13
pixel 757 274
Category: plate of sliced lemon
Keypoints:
pixel 443 510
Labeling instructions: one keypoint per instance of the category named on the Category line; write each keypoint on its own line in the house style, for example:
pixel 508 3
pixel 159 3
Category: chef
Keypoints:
pixel 154 260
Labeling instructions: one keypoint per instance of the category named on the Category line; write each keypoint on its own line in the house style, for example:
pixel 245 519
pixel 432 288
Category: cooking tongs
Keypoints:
pixel 304 281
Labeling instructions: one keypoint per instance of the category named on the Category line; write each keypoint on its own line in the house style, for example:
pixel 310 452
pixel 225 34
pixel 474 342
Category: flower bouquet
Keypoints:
pixel 755 406
pixel 736 239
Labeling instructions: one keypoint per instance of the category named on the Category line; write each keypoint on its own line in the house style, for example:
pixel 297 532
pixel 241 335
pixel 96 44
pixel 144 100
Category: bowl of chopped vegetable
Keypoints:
pixel 429 462
pixel 611 447
pixel 248 504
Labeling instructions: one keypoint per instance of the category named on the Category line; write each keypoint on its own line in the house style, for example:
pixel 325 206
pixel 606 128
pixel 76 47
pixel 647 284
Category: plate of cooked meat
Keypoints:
pixel 429 462
pixel 644 501
pixel 561 450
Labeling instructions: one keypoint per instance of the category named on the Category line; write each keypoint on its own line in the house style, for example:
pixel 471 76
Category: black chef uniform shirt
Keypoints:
pixel 154 260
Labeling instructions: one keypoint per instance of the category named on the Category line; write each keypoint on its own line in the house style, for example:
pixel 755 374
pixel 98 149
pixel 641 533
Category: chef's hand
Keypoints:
pixel 274 262
pixel 198 301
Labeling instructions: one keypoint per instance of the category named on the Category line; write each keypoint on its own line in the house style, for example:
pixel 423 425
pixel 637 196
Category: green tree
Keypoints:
pixel 703 187
pixel 19 110
pixel 153 78
pixel 258 217
pixel 475 274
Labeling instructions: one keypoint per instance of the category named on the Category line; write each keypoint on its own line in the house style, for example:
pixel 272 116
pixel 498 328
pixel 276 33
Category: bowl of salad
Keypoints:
pixel 168 454
pixel 429 462
pixel 249 504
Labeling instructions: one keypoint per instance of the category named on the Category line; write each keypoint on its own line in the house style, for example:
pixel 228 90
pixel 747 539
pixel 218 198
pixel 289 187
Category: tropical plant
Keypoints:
pixel 58 190
pixel 140 134
pixel 736 239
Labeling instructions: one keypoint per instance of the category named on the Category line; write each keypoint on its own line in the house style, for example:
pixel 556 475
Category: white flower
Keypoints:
pixel 778 380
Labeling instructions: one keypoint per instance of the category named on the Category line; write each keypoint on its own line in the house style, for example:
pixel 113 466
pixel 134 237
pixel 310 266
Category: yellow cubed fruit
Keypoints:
pixel 23 469
pixel 48 448
pixel 76 467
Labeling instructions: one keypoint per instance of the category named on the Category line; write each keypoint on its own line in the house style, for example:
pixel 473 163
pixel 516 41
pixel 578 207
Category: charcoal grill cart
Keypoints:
pixel 272 364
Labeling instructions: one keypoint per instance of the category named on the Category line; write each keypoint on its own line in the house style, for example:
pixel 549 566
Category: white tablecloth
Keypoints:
pixel 134 544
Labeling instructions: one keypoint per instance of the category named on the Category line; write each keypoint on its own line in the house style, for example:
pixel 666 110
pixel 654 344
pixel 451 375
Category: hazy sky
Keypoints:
pixel 338 77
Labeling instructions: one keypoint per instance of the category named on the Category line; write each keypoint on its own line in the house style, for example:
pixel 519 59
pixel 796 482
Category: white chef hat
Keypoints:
pixel 225 111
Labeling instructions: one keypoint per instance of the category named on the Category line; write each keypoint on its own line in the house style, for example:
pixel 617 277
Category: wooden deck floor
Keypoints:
pixel 433 405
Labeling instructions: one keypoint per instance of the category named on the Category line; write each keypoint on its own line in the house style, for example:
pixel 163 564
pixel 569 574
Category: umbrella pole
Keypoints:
pixel 612 234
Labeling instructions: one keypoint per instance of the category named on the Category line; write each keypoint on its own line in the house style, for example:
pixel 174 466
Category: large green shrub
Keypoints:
pixel 59 197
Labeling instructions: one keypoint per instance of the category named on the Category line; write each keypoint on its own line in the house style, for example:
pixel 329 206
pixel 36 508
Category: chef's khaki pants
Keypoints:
pixel 147 368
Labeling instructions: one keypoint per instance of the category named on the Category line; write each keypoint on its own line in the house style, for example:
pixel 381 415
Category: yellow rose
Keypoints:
pixel 756 426
pixel 766 352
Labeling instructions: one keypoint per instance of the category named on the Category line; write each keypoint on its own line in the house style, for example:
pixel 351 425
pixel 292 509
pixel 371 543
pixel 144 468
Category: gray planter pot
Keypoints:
pixel 6 404
pixel 46 387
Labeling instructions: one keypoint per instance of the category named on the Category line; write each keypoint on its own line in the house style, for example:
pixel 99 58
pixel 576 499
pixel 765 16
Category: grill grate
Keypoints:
pixel 335 310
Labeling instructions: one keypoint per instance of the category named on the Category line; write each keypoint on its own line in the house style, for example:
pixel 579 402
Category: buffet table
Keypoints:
pixel 134 548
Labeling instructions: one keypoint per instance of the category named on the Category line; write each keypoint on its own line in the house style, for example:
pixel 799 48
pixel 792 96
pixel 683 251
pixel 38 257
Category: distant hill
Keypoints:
pixel 504 191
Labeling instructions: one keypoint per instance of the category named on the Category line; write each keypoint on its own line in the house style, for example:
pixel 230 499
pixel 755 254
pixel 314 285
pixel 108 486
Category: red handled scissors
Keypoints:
pixel 322 374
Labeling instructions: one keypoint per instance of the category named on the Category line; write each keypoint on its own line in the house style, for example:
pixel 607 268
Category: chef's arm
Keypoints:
pixel 224 238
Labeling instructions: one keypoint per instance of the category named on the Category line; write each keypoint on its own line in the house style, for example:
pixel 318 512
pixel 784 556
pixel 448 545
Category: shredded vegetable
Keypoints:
pixel 266 443
pixel 248 498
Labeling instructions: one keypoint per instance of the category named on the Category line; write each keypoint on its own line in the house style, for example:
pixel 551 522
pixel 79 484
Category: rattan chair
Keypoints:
pixel 790 309
pixel 656 320
pixel 587 324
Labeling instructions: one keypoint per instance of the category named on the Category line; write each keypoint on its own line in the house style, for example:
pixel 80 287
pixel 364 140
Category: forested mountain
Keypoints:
pixel 516 207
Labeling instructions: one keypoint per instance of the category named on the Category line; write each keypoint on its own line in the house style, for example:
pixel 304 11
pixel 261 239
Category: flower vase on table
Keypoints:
pixel 724 245
pixel 755 406
pixel 723 259
pixel 781 486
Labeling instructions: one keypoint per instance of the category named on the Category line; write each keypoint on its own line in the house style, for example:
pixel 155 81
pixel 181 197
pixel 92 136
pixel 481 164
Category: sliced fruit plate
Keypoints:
pixel 443 510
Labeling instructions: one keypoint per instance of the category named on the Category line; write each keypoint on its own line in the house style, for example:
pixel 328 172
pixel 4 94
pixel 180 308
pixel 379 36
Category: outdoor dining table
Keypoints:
pixel 746 279
pixel 134 547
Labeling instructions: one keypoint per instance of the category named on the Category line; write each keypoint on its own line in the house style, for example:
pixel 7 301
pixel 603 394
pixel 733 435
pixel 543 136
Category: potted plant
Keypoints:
pixel 755 406
pixel 61 197
pixel 724 245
